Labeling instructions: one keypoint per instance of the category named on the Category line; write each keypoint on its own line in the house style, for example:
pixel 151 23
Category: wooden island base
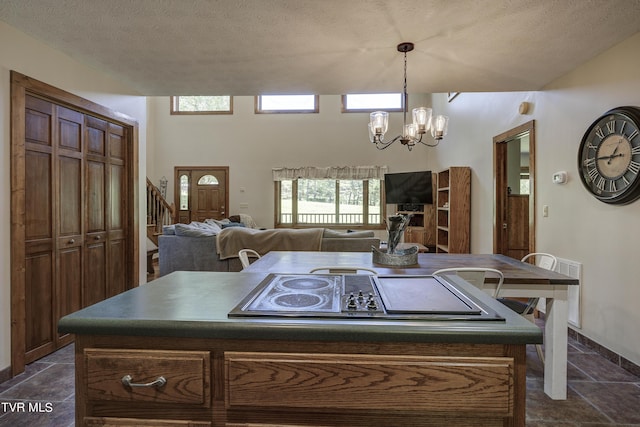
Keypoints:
pixel 265 383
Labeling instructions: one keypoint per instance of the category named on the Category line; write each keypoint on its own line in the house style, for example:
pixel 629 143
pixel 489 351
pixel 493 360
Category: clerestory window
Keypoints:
pixel 287 104
pixel 367 102
pixel 219 104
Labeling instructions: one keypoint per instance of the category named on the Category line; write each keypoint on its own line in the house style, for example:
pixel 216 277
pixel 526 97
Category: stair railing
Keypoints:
pixel 159 212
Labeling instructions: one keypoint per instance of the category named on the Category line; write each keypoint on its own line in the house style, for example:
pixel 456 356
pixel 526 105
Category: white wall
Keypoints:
pixel 252 144
pixel 25 55
pixel 579 227
pixel 602 237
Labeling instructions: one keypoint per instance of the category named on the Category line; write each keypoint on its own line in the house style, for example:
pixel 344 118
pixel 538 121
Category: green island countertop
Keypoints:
pixel 195 305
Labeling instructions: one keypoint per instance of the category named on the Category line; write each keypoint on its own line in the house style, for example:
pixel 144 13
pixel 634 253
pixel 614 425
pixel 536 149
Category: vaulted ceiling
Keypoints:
pixel 249 47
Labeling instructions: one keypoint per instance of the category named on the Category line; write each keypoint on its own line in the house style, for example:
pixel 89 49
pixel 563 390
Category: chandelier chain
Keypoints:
pixel 404 94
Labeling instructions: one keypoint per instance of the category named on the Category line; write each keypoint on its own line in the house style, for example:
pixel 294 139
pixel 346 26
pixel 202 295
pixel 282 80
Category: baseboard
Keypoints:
pixel 605 352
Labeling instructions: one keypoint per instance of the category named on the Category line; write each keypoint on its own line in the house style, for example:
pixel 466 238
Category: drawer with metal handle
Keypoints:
pixel 148 376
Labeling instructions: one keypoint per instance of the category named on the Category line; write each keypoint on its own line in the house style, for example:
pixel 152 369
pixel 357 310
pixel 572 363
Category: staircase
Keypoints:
pixel 159 214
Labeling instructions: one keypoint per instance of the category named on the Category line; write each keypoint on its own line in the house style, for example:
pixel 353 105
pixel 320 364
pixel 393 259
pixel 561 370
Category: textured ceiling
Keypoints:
pixel 249 47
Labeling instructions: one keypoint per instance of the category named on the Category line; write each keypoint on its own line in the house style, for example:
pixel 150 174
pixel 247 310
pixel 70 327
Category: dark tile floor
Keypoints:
pixel 599 393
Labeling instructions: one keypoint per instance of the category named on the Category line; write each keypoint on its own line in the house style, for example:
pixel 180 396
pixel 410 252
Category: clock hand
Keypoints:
pixel 610 157
pixel 614 151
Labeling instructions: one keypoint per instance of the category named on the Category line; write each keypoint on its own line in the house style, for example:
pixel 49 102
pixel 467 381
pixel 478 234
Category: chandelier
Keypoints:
pixel 411 133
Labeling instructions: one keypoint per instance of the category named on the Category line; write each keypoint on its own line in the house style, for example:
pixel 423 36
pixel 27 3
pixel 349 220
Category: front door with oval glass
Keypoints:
pixel 201 193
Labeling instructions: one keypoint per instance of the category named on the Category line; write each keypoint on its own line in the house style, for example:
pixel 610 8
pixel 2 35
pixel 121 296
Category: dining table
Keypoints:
pixel 521 280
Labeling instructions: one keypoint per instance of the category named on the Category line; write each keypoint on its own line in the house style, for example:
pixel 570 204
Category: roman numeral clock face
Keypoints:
pixel 609 156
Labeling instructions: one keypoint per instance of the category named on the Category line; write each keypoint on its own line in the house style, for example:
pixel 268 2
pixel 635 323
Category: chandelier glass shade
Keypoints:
pixel 412 133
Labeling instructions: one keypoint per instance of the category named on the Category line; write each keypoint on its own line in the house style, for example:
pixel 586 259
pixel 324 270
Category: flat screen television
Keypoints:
pixel 409 188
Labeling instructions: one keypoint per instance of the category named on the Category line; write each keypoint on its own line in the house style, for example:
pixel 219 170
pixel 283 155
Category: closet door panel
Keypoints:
pixel 70 194
pixel 96 205
pixel 39 327
pixel 69 296
pixel 38 123
pixel 70 124
pixel 95 237
pixel 116 198
pixel 117 140
pixel 96 136
pixel 95 288
pixel 69 280
pixel 117 267
pixel 117 230
pixel 38 195
pixel 38 229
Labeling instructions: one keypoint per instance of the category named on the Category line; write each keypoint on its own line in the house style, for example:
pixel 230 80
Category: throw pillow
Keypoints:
pixel 189 230
pixel 232 224
pixel 352 235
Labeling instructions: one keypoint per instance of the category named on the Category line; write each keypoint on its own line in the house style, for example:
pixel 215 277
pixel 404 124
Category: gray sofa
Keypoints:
pixel 185 253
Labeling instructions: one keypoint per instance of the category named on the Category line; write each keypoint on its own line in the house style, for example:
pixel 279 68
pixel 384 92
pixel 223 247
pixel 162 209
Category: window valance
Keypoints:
pixel 330 172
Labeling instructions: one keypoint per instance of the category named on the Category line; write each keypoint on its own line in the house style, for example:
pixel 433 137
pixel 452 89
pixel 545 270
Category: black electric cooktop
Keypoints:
pixel 360 296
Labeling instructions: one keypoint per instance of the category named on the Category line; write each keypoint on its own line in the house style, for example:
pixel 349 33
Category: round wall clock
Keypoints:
pixel 609 156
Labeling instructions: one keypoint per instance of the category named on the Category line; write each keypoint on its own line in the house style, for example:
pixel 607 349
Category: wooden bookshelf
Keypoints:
pixel 453 212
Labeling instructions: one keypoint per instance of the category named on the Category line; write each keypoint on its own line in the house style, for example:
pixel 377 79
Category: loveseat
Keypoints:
pixel 189 253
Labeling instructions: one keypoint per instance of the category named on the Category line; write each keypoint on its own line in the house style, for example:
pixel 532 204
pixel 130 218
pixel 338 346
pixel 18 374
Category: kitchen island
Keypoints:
pixel 167 354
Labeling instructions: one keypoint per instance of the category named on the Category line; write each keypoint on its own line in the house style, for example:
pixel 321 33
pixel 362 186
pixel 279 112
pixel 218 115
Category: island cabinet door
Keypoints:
pixel 482 386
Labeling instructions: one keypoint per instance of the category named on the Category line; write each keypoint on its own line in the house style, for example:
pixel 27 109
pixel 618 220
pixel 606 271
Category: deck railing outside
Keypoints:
pixel 329 218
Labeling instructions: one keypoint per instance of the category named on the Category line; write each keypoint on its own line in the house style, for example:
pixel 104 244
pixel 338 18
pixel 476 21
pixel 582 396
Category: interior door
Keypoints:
pixel 514 194
pixel 201 193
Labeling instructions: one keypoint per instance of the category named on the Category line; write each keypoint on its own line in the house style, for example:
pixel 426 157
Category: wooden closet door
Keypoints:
pixel 39 230
pixel 54 228
pixel 73 211
pixel 76 226
pixel 117 209
pixel 95 271
pixel 70 199
pixel 106 226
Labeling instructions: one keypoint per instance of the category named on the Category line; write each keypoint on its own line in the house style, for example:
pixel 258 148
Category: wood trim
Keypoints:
pixel 18 253
pixel 134 205
pixel 499 198
pixel 20 86
pixel 63 97
pixel 499 179
pixel 532 184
